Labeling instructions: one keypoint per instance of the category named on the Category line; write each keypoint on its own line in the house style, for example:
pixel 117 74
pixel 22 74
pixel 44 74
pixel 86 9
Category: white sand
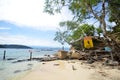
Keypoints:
pixel 68 70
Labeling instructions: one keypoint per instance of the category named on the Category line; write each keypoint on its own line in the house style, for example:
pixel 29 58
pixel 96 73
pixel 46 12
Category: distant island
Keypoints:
pixel 14 46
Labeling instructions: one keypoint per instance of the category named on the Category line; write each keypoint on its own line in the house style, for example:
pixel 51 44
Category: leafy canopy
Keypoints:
pixel 100 10
pixel 79 8
pixel 74 30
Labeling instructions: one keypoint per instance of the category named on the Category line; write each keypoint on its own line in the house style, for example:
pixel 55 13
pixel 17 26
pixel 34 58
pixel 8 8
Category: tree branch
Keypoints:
pixel 91 10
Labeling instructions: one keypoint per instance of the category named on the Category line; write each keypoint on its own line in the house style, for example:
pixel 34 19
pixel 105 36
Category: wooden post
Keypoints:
pixel 30 55
pixel 4 55
pixel 111 54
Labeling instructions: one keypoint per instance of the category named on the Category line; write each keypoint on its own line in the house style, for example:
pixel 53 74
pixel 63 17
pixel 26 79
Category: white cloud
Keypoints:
pixel 4 28
pixel 24 40
pixel 30 13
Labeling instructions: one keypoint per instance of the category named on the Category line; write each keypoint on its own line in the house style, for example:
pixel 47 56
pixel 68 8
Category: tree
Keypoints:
pixel 60 37
pixel 82 9
pixel 83 30
pixel 75 33
pixel 70 25
pixel 99 10
pixel 114 8
pixel 74 30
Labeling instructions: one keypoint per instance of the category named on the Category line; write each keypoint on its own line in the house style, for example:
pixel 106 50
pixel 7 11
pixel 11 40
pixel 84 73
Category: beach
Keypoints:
pixel 70 70
pixel 67 69
pixel 17 62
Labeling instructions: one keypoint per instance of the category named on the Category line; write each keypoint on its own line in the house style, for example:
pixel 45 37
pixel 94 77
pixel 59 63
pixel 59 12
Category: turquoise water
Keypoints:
pixel 9 70
pixel 23 53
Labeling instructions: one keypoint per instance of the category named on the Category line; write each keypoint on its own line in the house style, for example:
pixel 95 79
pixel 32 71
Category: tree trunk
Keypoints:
pixel 103 26
pixel 101 18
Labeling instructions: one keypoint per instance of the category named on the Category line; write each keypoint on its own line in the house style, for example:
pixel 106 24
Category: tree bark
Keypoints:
pixel 103 26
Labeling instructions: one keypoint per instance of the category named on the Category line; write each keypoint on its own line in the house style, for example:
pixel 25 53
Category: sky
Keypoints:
pixel 23 22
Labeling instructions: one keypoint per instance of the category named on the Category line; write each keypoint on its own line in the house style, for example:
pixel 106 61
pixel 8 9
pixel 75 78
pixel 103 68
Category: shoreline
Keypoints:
pixel 69 70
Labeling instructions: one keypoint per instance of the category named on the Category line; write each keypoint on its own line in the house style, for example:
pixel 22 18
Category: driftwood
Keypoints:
pixel 98 52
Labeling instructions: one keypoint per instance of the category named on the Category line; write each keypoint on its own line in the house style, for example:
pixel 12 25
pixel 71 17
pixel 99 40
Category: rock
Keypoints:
pixel 27 69
pixel 113 63
pixel 19 61
pixel 30 64
pixel 62 54
pixel 90 61
pixel 56 64
pixel 43 63
pixel 17 71
pixel 11 58
pixel 46 59
pixel 1 69
pixel 75 55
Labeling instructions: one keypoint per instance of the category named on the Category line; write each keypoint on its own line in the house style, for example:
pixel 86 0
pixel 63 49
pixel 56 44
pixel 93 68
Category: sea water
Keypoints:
pixel 9 70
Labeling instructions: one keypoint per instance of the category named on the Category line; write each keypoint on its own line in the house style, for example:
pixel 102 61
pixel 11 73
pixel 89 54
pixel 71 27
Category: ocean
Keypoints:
pixel 10 70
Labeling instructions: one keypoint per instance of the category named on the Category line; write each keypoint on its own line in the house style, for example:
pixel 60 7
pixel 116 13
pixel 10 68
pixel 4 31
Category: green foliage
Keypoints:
pixel 77 7
pixel 78 45
pixel 74 30
pixel 71 25
pixel 99 30
pixel 116 29
pixel 88 29
pixel 114 8
pixel 83 30
pixel 76 34
pixel 81 9
pixel 61 37
pixel 53 6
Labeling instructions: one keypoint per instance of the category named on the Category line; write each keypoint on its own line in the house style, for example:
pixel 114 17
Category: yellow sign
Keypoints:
pixel 88 43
